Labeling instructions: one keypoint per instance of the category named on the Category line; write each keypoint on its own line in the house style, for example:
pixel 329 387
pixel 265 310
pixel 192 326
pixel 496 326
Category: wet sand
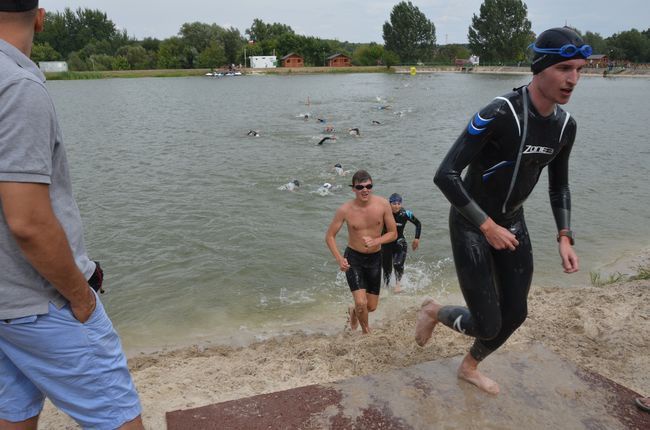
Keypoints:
pixel 603 329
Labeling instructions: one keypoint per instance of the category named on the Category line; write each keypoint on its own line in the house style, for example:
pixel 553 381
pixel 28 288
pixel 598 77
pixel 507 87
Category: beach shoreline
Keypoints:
pixel 176 73
pixel 603 329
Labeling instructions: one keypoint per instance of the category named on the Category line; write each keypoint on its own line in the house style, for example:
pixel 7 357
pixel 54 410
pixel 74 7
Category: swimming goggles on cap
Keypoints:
pixel 569 50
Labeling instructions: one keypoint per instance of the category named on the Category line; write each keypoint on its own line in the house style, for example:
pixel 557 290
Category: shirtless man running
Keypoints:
pixel 365 216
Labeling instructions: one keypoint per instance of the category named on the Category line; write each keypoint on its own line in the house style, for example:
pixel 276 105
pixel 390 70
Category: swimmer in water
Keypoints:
pixel 375 122
pixel 339 169
pixel 504 147
pixel 253 133
pixel 290 186
pixel 326 138
pixel 324 189
pixel 354 132
pixel 329 129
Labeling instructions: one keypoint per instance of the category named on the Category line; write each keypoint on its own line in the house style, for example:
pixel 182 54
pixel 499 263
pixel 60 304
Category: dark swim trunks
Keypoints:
pixel 364 272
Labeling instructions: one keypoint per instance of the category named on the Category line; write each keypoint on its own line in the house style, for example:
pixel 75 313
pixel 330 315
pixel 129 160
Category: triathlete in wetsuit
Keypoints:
pixel 504 147
pixel 394 254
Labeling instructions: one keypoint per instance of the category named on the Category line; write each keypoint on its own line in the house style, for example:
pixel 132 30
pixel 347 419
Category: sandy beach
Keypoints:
pixel 604 329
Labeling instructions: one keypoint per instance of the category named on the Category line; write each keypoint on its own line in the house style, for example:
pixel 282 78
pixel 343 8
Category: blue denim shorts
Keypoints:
pixel 80 367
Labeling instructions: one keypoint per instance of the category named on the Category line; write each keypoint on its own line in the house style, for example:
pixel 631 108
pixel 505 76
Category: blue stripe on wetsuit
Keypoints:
pixel 477 125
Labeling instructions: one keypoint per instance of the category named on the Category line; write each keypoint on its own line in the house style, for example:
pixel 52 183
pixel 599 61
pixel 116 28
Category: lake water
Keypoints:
pixel 199 245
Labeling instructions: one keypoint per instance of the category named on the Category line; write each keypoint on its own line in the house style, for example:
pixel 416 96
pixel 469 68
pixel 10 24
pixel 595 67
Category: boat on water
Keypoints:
pixel 219 74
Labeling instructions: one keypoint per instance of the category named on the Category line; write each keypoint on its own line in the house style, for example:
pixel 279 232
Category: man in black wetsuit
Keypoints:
pixel 394 254
pixel 504 147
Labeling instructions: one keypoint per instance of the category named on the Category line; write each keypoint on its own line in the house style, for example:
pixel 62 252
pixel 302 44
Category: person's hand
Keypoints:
pixel 415 244
pixel 497 236
pixel 344 266
pixel 568 255
pixel 370 242
pixel 84 308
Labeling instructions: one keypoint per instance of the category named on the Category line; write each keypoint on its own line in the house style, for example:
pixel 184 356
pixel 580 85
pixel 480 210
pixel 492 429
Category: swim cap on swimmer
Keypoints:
pixel 395 198
pixel 17 5
pixel 338 165
pixel 556 45
pixel 296 182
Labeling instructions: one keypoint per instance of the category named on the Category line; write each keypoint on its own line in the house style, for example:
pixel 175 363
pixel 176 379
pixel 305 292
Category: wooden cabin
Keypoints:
pixel 598 61
pixel 339 60
pixel 292 60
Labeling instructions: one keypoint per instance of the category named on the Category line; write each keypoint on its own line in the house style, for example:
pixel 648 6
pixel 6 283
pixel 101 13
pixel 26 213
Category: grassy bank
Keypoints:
pixel 110 74
pixel 168 73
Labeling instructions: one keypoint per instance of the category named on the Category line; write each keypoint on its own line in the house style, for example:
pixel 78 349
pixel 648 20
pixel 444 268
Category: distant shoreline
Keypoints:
pixel 167 73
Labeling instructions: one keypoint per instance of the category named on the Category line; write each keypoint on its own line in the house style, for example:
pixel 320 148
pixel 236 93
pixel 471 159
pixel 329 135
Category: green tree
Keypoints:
pixel 136 56
pixel 212 56
pixel 409 33
pixel 260 31
pixel 76 63
pixel 596 41
pixel 501 32
pixel 70 31
pixel 233 45
pixel 390 58
pixel 44 52
pixel 171 54
pixel 631 45
pixel 315 50
pixel 101 62
pixel 368 55
pixel 120 63
pixel 199 35
pixel 448 53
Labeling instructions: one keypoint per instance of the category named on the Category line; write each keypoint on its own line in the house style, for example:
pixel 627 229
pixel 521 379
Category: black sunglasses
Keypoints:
pixel 361 187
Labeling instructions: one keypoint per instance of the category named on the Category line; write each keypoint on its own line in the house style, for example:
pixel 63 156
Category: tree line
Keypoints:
pixel 501 33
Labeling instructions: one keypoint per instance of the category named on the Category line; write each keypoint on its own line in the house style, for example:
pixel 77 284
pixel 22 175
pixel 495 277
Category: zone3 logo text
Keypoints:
pixel 537 150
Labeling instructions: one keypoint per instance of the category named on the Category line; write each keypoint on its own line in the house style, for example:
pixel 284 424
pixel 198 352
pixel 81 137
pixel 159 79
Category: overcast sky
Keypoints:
pixel 354 20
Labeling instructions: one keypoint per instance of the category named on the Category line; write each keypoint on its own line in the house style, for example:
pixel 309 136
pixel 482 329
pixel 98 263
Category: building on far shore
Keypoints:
pixel 263 62
pixel 339 60
pixel 597 60
pixel 292 60
pixel 53 66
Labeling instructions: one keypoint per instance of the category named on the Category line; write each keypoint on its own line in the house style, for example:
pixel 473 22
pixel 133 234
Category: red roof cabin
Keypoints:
pixel 339 60
pixel 292 60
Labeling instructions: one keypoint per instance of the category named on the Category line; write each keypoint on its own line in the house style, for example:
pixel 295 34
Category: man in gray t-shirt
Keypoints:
pixel 36 191
pixel 55 338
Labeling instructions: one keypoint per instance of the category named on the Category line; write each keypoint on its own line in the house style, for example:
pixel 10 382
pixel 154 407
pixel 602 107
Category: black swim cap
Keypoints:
pixel 554 39
pixel 17 5
pixel 338 165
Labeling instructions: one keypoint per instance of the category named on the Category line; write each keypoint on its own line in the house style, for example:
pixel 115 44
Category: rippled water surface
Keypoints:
pixel 199 244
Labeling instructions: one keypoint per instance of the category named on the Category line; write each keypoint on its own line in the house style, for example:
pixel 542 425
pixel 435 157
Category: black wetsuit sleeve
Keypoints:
pixel 416 222
pixel 469 144
pixel 558 181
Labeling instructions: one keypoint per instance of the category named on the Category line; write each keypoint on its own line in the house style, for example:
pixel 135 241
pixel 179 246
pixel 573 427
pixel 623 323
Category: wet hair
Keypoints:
pixel 395 198
pixel 361 176
pixel 338 165
pixel 554 38
pixel 296 182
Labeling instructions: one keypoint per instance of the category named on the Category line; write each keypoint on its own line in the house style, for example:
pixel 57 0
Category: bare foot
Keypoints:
pixel 426 321
pixel 469 372
pixel 354 321
pixel 397 289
